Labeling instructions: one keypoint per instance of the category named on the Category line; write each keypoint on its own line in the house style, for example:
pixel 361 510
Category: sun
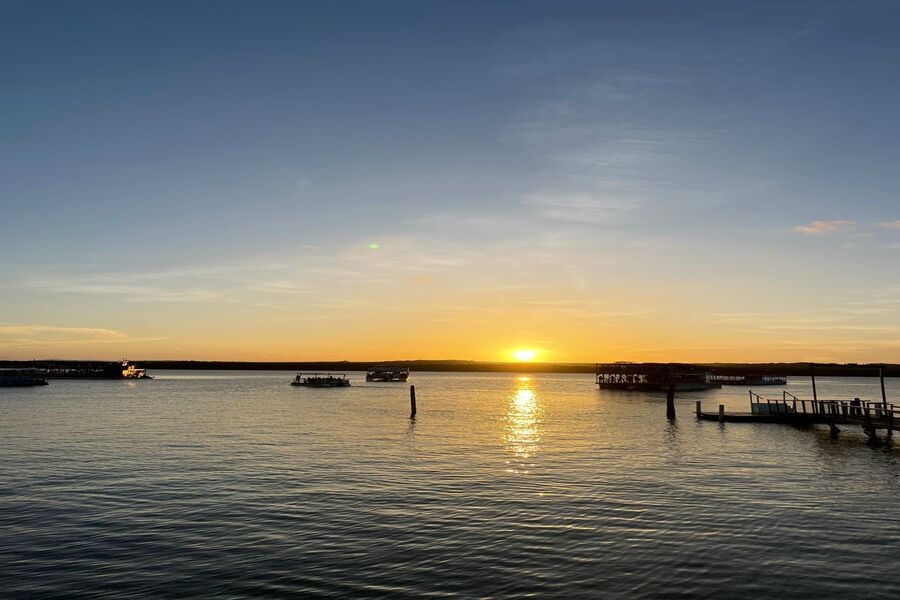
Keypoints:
pixel 524 354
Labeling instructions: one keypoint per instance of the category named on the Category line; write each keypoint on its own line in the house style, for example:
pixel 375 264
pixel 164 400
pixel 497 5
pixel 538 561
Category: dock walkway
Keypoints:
pixel 790 410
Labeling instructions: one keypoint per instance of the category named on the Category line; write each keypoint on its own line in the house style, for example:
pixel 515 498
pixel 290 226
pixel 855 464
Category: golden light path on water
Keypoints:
pixel 524 424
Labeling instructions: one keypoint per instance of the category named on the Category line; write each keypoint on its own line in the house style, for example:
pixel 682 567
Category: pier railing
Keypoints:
pixel 762 405
pixel 855 410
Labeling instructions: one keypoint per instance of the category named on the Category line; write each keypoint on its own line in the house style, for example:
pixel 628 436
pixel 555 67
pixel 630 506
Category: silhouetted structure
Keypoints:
pixel 78 369
pixel 749 379
pixel 654 377
pixel 383 373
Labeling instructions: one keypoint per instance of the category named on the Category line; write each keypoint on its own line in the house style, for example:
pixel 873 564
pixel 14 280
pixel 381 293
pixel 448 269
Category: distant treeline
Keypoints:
pixel 794 369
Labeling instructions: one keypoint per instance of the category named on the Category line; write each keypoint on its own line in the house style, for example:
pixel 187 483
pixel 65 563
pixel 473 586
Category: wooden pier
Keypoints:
pixel 790 410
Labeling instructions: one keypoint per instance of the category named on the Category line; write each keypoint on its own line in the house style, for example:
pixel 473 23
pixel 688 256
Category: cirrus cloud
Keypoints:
pixel 824 227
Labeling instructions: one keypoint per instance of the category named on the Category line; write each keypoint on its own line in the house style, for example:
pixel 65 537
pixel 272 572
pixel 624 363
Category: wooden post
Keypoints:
pixel 698 409
pixel 670 403
pixel 721 413
pixel 412 402
pixel 881 376
pixel 812 374
pixel 868 428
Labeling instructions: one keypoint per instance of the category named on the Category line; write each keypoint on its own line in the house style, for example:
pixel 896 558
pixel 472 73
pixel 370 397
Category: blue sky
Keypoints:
pixel 597 180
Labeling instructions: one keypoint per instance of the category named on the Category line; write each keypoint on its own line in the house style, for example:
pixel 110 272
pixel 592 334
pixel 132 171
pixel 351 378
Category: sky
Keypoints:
pixel 592 181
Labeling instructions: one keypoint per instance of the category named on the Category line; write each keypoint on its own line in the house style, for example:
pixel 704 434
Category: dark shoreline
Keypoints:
pixel 789 369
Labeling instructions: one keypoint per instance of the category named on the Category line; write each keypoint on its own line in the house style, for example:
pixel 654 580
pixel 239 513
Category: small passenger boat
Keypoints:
pixel 382 373
pixel 321 380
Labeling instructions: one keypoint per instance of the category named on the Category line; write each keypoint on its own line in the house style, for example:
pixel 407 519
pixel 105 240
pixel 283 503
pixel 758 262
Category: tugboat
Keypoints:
pixel 382 373
pixel 321 380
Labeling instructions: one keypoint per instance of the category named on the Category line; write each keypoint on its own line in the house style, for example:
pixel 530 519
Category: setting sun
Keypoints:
pixel 524 354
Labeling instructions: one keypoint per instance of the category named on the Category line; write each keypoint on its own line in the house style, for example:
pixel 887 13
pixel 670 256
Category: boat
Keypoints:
pixel 753 380
pixel 383 373
pixel 21 381
pixel 654 377
pixel 321 380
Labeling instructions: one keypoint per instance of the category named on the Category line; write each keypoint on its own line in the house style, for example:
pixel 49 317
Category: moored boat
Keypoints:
pixel 383 373
pixel 321 380
pixel 753 380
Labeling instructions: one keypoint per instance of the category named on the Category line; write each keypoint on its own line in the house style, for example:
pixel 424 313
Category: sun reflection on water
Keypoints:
pixel 524 423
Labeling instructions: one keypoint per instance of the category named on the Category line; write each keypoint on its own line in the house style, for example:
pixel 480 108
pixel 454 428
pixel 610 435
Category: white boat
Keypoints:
pixel 322 380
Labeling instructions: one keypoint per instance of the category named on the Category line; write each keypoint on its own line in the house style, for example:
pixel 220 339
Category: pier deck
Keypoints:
pixel 870 416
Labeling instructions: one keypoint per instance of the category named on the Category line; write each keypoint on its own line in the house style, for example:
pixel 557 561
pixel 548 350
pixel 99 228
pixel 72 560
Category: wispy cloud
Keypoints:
pixel 889 224
pixel 825 227
pixel 583 207
pixel 81 332
pixel 21 336
pixel 190 283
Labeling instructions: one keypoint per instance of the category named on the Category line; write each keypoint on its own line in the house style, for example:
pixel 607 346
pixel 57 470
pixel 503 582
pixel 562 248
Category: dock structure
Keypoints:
pixel 790 410
pixel 74 369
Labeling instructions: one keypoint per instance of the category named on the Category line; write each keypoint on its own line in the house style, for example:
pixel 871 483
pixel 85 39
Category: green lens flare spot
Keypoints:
pixel 374 246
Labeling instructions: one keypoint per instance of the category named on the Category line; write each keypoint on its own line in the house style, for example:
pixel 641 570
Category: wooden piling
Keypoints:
pixel 721 413
pixel 670 403
pixel 881 376
pixel 812 374
pixel 699 411
pixel 412 401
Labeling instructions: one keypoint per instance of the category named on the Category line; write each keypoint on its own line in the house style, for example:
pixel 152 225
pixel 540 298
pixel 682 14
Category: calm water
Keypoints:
pixel 238 485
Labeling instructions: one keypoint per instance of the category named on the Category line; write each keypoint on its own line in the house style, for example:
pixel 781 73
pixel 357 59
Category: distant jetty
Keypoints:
pixel 462 366
pixel 73 369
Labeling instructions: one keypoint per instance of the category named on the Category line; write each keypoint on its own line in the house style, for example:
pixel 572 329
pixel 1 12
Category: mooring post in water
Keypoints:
pixel 698 409
pixel 721 413
pixel 412 401
pixel 833 429
pixel 812 374
pixel 883 395
pixel 670 403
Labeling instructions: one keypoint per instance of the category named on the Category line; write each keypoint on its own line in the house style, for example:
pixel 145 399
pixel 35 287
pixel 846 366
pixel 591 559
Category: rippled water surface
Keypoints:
pixel 238 485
